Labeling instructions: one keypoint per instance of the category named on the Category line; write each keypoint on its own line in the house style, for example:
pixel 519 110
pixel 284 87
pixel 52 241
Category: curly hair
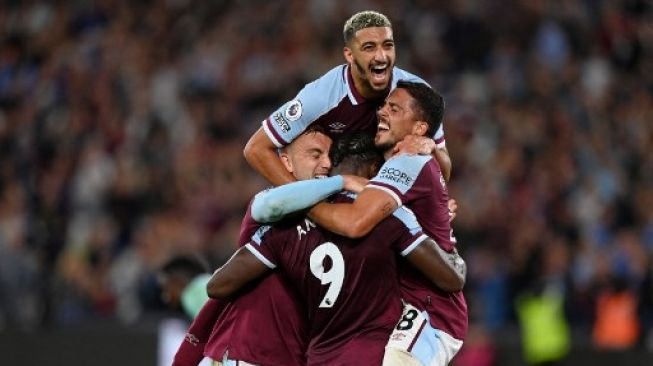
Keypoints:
pixel 361 20
pixel 356 151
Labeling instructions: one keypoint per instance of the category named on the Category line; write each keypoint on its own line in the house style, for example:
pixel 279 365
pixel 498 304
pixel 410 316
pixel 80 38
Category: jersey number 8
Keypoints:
pixel 334 276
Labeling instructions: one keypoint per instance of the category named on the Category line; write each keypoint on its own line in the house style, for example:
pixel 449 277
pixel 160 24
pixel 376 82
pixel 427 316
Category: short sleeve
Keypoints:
pixel 262 245
pixel 410 231
pixel 314 100
pixel 398 175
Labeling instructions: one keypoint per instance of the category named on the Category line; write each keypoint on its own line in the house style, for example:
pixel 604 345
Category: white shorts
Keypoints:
pixel 414 342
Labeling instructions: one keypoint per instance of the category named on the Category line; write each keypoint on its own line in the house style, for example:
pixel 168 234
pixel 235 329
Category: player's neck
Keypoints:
pixel 388 153
pixel 368 93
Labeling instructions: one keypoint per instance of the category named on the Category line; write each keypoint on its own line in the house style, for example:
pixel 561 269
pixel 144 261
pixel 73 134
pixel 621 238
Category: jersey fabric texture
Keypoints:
pixel 349 285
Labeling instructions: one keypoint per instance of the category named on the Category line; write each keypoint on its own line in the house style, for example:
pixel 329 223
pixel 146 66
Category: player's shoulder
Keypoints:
pixel 401 171
pixel 261 233
pixel 273 232
pixel 318 96
pixel 408 162
pixel 407 218
pixel 334 78
pixel 399 74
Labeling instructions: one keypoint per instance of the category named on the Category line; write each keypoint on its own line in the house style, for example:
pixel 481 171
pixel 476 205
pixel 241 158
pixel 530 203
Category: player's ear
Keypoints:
pixel 372 169
pixel 346 51
pixel 420 128
pixel 285 160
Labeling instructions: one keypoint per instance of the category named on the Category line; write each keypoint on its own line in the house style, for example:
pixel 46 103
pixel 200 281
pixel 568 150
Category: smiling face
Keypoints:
pixel 397 119
pixel 371 55
pixel 307 157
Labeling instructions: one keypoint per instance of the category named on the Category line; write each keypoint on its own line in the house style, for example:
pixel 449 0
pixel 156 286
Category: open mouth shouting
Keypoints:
pixel 382 127
pixel 380 74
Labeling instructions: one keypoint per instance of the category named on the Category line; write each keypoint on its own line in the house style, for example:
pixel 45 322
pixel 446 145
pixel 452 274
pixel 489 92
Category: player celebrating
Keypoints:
pixel 343 100
pixel 414 181
pixel 265 325
pixel 350 286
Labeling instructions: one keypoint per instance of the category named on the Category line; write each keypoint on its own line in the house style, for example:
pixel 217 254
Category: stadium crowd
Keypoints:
pixel 122 126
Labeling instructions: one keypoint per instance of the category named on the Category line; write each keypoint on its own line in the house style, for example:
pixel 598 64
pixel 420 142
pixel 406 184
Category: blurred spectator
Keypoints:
pixel 617 323
pixel 540 306
pixel 183 282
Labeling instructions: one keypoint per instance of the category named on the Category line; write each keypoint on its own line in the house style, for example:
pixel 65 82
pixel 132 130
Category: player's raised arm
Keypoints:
pixel 441 154
pixel 261 154
pixel 274 204
pixel 239 270
pixel 291 120
pixel 356 219
pixel 348 219
pixel 445 270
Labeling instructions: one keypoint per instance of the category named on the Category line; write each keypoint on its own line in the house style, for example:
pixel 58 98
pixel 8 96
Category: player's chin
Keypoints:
pixel 381 142
pixel 378 82
pixel 382 135
pixel 379 85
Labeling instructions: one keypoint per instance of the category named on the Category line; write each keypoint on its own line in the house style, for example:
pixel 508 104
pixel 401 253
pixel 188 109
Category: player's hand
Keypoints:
pixel 354 183
pixel 414 145
pixel 453 207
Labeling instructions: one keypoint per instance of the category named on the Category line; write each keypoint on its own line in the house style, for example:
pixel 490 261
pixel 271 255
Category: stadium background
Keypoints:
pixel 122 126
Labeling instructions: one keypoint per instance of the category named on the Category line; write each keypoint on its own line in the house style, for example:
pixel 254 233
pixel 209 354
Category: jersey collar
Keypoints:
pixel 354 96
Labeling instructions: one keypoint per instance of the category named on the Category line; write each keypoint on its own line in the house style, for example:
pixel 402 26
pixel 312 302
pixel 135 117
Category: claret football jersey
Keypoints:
pixel 416 182
pixel 265 324
pixel 349 285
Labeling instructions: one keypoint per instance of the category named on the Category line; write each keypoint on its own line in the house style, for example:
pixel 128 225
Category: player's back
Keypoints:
pixel 349 285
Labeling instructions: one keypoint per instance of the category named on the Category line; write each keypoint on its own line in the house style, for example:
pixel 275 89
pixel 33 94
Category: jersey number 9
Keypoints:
pixel 334 276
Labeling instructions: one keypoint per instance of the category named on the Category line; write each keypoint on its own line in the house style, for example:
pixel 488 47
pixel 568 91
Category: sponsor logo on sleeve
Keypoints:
pixel 396 175
pixel 278 119
pixel 337 127
pixel 294 110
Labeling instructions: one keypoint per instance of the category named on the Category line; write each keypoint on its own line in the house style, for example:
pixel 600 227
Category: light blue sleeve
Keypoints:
pixel 408 218
pixel 398 174
pixel 276 203
pixel 314 100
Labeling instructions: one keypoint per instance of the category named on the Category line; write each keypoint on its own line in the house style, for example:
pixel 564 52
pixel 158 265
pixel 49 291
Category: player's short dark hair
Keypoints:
pixel 311 129
pixel 428 104
pixel 357 150
pixel 315 128
pixel 361 20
